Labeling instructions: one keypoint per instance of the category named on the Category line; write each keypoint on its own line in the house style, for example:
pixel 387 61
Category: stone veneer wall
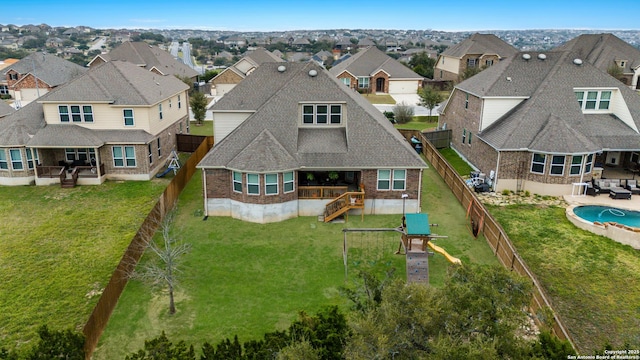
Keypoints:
pixel 227 77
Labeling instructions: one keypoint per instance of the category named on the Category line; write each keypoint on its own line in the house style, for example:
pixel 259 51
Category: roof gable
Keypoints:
pixel 49 68
pixel 603 50
pixel 481 44
pixel 149 57
pixel 368 61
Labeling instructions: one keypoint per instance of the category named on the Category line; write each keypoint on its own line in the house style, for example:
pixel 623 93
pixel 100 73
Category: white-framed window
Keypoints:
pixel 124 156
pixel 13 76
pixel 79 154
pixel 557 165
pixel 270 184
pixel 537 163
pixel 576 165
pixel 464 136
pixel 466 101
pixel 399 179
pixel 150 151
pixel 384 179
pixel 16 159
pixel 322 114
pixel 363 82
pixel 32 158
pixel 288 182
pixel 588 164
pixel 593 99
pixel 4 90
pixel 3 160
pixel 160 111
pixel 127 114
pixel 70 154
pixel 471 63
pixel 75 113
pixel 346 81
pixel 253 184
pixel 169 103
pixel 469 137
pixel 159 148
pixel 237 181
pixel 179 103
pixel 488 63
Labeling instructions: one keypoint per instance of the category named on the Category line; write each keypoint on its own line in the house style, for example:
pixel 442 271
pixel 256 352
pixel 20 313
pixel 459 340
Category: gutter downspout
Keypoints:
pixel 204 187
pixel 420 192
pixel 495 180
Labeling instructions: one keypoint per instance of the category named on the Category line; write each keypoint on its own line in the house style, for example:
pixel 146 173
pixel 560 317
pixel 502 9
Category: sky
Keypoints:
pixel 265 15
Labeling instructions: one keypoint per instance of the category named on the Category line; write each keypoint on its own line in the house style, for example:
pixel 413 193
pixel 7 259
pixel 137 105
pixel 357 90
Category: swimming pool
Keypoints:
pixel 603 214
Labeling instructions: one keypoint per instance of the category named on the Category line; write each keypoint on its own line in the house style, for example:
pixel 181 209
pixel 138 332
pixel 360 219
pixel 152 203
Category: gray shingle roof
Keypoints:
pixel 51 69
pixel 550 120
pixel 271 139
pixel 5 109
pixel 143 54
pixel 601 50
pixel 369 61
pixel 481 44
pixel 119 83
pixel 70 135
pixel 16 129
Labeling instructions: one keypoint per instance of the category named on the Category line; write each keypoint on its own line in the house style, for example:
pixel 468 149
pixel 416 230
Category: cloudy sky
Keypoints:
pixel 252 15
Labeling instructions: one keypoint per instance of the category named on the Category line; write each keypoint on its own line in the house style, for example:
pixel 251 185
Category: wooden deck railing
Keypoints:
pixel 50 171
pixel 321 192
pixel 343 203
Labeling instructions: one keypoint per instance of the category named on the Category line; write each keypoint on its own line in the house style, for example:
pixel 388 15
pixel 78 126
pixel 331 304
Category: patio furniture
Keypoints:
pixel 605 185
pixel 632 185
pixel 619 193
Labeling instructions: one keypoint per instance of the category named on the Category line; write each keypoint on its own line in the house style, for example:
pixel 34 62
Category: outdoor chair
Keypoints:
pixel 632 185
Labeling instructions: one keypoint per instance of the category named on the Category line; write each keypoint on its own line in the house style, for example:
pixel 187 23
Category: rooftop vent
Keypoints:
pixel 526 57
pixel 542 57
pixel 577 61
pixel 313 73
pixel 508 78
pixel 282 68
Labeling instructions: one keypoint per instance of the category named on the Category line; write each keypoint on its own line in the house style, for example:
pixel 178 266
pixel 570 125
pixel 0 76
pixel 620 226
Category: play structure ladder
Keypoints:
pixel 342 204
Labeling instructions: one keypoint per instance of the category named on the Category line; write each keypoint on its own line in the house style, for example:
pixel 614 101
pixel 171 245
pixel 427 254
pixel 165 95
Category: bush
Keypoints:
pixel 403 113
pixel 506 192
pixel 391 116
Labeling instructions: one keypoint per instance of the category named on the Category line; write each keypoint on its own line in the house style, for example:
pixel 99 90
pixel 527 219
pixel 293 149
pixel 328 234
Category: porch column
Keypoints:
pixel 97 161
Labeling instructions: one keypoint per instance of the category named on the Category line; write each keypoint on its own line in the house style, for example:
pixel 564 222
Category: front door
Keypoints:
pixel 380 85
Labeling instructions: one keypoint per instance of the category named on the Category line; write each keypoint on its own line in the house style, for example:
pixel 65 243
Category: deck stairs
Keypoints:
pixel 342 204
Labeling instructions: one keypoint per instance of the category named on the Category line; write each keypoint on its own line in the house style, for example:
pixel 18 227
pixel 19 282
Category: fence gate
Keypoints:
pixel 188 143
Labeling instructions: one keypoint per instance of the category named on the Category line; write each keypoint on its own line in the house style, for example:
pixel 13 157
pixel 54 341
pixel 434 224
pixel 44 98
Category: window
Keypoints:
pixel 384 179
pixel 169 103
pixel 557 165
pixel 471 63
pixel 322 114
pixel 3 160
pixel 346 81
pixel 160 111
pixel 576 165
pixel 75 113
pixel 593 100
pixel 87 113
pixel 16 159
pixel 270 184
pixel 466 101
pixel 179 103
pixel 253 184
pixel 488 63
pixel 588 164
pixel 159 148
pixel 13 76
pixel 399 179
pixel 128 117
pixel 237 181
pixel 537 163
pixel 150 153
pixel 64 113
pixel 363 82
pixel 124 156
pixel 81 154
pixel 32 157
pixel 4 90
pixel 464 135
pixel 469 138
pixel 288 180
pixel 70 154
pixel 622 63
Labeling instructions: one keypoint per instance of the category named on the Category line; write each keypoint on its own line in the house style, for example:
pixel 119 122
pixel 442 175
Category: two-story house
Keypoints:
pixel 477 51
pixel 37 74
pixel 540 122
pixel 300 143
pixel 228 78
pixel 115 122
pixel 372 71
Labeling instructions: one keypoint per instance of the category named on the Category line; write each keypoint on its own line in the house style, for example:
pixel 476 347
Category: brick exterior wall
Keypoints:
pixel 354 81
pixel 25 82
pixel 444 75
pixel 227 77
pixel 220 186
pixel 373 83
pixel 370 181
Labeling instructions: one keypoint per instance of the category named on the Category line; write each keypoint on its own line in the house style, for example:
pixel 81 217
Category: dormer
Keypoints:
pixel 621 63
pixel 322 114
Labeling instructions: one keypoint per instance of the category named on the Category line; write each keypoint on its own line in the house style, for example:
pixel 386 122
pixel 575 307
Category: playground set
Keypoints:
pixel 174 165
pixel 415 240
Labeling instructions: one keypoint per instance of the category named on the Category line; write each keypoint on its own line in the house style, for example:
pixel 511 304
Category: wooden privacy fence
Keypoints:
pixel 498 240
pixel 109 298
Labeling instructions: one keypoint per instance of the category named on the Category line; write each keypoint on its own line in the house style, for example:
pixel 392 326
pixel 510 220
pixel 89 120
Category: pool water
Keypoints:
pixel 604 214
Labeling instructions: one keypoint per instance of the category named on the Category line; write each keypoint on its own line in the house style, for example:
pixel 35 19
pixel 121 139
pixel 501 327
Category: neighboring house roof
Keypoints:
pixel 550 119
pixel 51 69
pixel 256 58
pixel 271 139
pixel 118 83
pixel 19 127
pixel 481 44
pixel 5 109
pixel 150 57
pixel 366 42
pixel 369 61
pixel 603 50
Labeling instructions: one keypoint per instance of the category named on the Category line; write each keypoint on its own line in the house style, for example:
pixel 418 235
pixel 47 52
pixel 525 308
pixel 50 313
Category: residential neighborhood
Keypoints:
pixel 314 172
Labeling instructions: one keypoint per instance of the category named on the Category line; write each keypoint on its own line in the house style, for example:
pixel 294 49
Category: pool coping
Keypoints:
pixel 623 234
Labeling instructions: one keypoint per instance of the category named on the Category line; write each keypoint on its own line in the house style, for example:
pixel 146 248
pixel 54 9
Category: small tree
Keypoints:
pixel 65 344
pixel 198 104
pixel 429 98
pixel 403 113
pixel 163 269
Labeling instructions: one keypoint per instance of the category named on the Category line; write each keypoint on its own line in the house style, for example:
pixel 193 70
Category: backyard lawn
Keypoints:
pixel 246 279
pixel 59 248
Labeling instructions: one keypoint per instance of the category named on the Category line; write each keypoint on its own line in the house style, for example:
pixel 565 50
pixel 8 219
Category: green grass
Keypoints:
pixel 205 129
pixel 248 279
pixel 380 99
pixel 458 164
pixel 59 248
pixel 420 123
pixel 593 282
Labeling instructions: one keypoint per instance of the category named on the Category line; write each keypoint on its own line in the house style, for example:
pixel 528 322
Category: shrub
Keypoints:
pixel 390 115
pixel 403 113
pixel 527 193
pixel 506 192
